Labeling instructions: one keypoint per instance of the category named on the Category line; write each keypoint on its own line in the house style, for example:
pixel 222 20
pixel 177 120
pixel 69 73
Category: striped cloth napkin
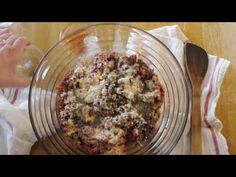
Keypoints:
pixel 17 137
pixel 213 142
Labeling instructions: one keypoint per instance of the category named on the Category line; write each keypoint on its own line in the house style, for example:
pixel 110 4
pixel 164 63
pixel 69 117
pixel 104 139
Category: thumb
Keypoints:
pixel 20 82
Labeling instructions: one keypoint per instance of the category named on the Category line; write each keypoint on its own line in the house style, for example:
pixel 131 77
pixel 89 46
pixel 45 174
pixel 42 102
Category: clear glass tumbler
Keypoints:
pixel 26 65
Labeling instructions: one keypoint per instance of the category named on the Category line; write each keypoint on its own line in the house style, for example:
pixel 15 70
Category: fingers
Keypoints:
pixel 4 31
pixel 5 36
pixel 12 39
pixel 17 41
pixel 20 44
pixel 15 46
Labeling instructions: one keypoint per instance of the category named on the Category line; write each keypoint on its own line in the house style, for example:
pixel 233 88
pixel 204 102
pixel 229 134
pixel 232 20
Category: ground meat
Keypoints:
pixel 108 103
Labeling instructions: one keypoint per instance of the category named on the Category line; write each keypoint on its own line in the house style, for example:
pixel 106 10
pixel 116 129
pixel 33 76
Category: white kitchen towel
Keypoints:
pixel 16 133
pixel 213 142
pixel 17 137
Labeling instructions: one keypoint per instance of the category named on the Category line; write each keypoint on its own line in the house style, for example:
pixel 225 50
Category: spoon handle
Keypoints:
pixel 196 127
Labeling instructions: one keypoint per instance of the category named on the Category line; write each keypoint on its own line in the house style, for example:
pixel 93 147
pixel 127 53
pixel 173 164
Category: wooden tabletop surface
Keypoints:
pixel 217 38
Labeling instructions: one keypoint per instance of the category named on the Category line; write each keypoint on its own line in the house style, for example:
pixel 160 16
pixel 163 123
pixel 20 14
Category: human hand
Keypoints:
pixel 12 47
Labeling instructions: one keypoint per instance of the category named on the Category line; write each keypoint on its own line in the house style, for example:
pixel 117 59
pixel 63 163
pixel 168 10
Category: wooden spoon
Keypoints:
pixel 196 60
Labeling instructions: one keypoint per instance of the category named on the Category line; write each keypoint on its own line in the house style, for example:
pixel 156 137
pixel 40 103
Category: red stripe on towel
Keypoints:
pixel 206 106
pixel 15 96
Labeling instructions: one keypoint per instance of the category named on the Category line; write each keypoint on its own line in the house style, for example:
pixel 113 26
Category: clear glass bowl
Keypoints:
pixel 124 39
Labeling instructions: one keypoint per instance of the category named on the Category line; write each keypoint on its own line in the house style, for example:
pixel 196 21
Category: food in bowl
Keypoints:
pixel 109 102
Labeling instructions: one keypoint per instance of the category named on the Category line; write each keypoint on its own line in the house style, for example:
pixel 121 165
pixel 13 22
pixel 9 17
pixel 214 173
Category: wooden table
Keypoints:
pixel 217 38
